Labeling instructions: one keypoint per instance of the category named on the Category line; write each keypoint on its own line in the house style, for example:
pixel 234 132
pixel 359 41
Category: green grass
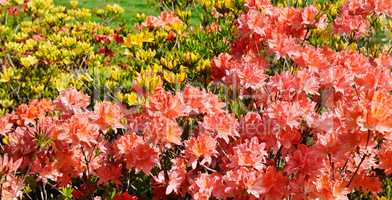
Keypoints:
pixel 132 7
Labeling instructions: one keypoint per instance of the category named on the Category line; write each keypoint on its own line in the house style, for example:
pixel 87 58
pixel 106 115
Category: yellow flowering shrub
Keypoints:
pixel 46 48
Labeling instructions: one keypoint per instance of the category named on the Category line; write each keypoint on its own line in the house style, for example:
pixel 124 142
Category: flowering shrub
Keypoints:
pixel 46 48
pixel 300 107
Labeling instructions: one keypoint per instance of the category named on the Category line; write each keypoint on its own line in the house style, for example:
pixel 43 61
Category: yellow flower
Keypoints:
pixel 114 8
pixel 131 99
pixel 174 78
pixel 203 65
pixel 148 78
pixel 190 57
pixel 8 74
pixel 74 3
pixel 28 61
pixel 138 39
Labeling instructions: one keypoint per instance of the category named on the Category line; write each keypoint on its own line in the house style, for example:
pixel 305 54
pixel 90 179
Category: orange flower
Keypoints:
pixel 271 185
pixel 249 154
pixel 5 125
pixel 377 114
pixel 36 109
pixel 72 101
pixel 223 124
pixel 107 115
pixel 165 104
pixel 331 189
pixel 200 101
pixel 177 175
pixel 137 154
pixel 161 131
pixel 201 146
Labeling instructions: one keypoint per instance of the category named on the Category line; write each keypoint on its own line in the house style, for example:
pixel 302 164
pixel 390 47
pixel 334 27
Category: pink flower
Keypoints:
pixel 251 153
pixel 72 101
pixel 177 176
pixel 165 18
pixel 223 124
pixel 309 15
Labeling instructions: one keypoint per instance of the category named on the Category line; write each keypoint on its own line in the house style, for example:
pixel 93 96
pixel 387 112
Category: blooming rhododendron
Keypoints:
pixel 177 176
pixel 10 184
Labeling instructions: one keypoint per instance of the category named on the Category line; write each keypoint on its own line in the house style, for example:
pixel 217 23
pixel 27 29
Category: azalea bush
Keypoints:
pixel 251 99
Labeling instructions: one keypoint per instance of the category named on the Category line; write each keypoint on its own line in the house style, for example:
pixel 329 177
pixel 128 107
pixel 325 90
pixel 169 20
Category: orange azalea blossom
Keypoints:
pixel 251 153
pixel 136 153
pixel 165 104
pixel 80 130
pixel 205 186
pixel 385 157
pixel 161 131
pixel 71 100
pixel 313 119
pixel 366 182
pixel 377 114
pixel 328 188
pixel 223 124
pixel 177 175
pixel 37 108
pixel 384 60
pixel 5 125
pixel 107 115
pixel 270 184
pixel 201 146
pixel 200 101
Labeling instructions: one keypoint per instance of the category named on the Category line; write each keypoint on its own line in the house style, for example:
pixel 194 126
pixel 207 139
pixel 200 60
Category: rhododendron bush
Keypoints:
pixel 299 108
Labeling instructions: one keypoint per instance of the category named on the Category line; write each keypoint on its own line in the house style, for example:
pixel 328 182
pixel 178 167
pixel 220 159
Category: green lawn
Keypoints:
pixel 132 7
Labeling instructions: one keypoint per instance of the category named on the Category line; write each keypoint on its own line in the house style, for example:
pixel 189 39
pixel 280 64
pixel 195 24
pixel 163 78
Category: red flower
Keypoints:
pixel 170 36
pixel 118 38
pixel 102 38
pixel 219 66
pixel 124 196
pixel 106 51
pixel 13 11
